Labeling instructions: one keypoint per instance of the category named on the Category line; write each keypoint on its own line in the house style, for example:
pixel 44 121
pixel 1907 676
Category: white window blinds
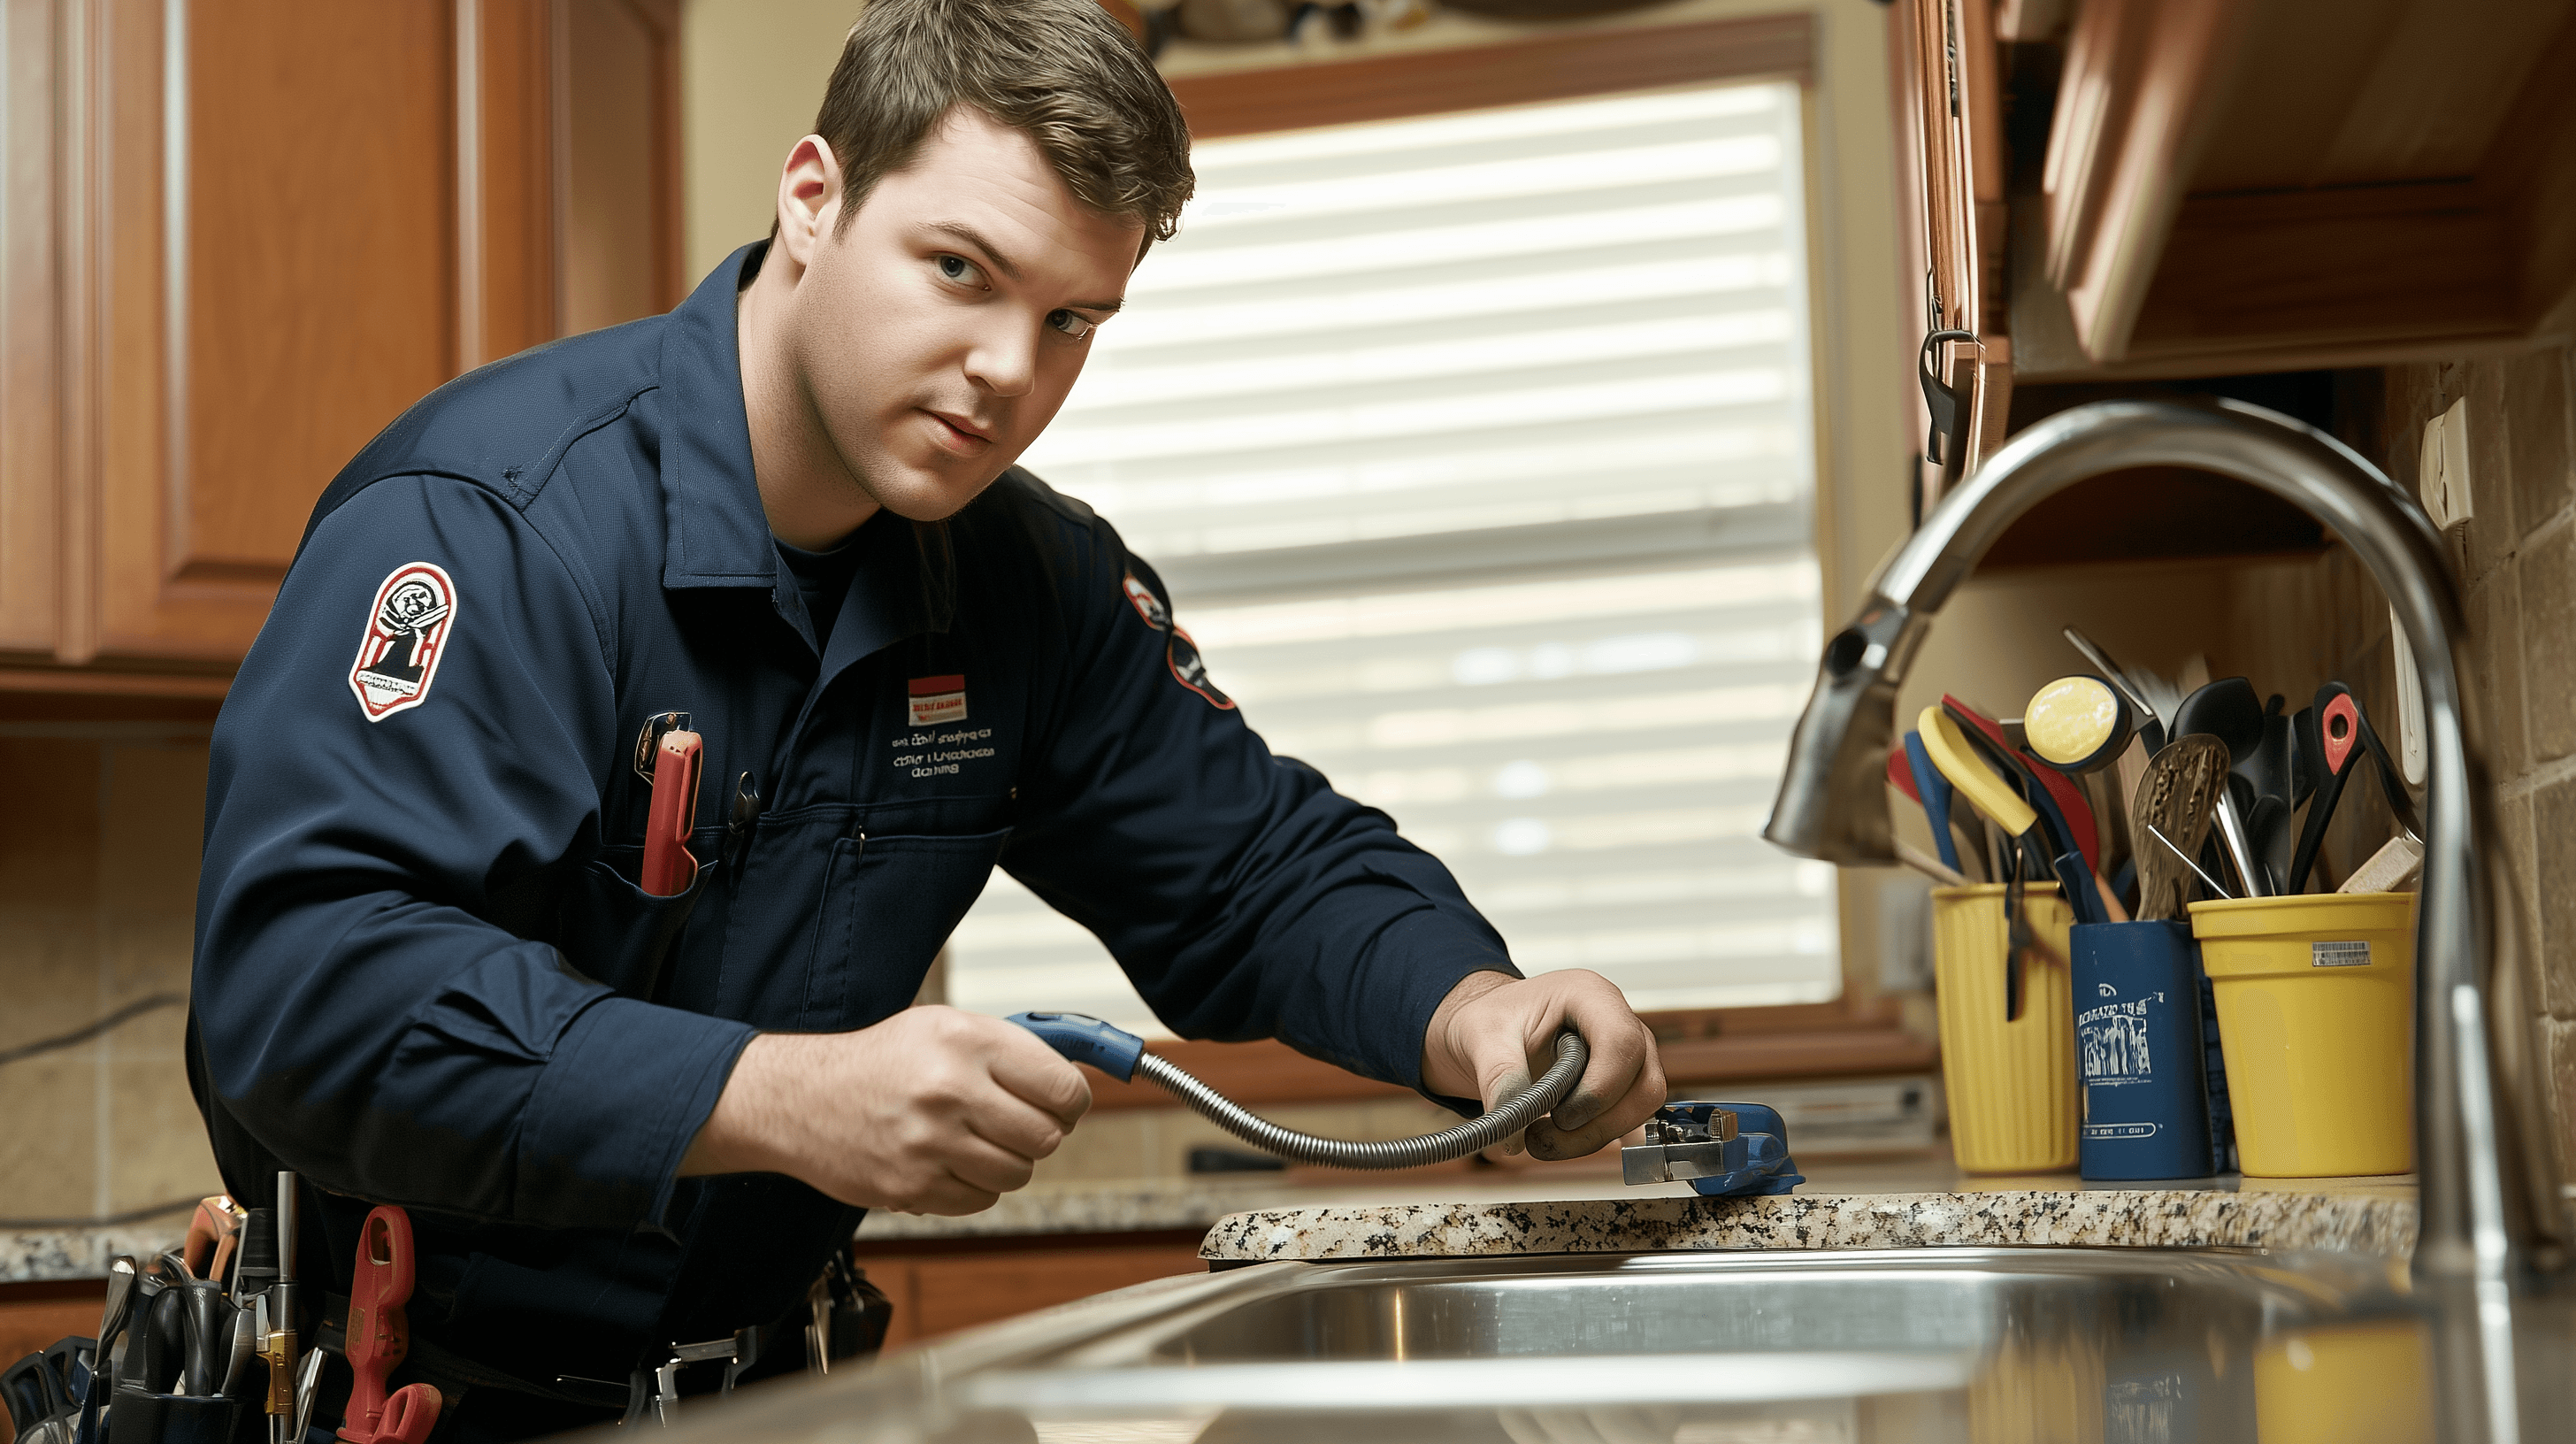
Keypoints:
pixel 1476 452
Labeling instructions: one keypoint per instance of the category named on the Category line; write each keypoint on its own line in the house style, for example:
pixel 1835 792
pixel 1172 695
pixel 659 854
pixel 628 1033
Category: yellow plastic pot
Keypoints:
pixel 2316 1014
pixel 2011 1081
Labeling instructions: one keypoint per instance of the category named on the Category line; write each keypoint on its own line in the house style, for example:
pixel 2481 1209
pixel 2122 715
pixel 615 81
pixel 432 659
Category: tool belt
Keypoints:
pixel 843 1317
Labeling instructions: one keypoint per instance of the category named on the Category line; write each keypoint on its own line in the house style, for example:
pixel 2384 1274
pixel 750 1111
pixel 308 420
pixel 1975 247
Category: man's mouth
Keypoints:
pixel 961 434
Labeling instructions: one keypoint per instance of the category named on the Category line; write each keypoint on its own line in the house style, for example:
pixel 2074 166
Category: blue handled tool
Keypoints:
pixel 1087 1040
pixel 1934 789
pixel 1722 1150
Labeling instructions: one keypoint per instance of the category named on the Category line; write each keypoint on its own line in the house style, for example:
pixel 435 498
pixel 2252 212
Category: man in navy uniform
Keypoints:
pixel 426 974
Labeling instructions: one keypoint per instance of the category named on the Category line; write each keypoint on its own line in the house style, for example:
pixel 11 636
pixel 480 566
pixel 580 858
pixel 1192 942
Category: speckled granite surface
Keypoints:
pixel 79 1253
pixel 2377 1223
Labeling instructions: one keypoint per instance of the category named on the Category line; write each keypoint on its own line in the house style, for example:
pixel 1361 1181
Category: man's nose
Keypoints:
pixel 1003 359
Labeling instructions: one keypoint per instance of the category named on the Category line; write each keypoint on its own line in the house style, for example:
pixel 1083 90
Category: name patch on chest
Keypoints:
pixel 937 700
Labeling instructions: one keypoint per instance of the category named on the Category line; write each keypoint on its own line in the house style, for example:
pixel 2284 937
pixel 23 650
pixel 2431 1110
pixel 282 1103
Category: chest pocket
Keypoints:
pixel 889 903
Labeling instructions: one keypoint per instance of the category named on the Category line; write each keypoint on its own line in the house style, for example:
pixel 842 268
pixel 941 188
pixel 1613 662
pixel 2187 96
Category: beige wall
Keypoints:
pixel 751 78
pixel 2517 564
pixel 98 886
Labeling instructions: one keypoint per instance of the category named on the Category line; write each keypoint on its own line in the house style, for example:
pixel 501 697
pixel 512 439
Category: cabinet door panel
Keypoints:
pixel 320 243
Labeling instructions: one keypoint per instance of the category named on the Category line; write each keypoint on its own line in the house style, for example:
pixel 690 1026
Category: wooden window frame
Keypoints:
pixel 1851 1036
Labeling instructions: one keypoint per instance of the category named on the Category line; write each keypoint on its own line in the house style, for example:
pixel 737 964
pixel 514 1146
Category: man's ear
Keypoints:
pixel 809 195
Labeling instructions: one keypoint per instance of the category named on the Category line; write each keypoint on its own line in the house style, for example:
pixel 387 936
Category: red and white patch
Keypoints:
pixel 937 699
pixel 406 637
pixel 1147 605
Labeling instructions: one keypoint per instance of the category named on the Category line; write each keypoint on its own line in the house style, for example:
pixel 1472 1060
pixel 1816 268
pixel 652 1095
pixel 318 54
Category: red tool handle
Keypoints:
pixel 2340 727
pixel 378 1334
pixel 1900 772
pixel 409 1416
pixel 668 867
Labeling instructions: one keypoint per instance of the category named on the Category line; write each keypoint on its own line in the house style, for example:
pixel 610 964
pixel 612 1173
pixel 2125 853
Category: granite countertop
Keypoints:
pixel 1260 1217
pixel 43 1255
pixel 2374 1221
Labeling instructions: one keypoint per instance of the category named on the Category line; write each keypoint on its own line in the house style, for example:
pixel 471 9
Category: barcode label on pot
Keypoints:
pixel 2339 955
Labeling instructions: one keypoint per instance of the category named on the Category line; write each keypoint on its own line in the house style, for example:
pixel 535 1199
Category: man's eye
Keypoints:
pixel 957 268
pixel 1071 323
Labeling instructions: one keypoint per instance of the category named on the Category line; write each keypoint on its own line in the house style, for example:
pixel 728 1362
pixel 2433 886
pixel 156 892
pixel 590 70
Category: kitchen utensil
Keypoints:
pixel 1928 865
pixel 2170 819
pixel 2228 710
pixel 1933 791
pixel 2392 784
pixel 2077 724
pixel 1948 747
pixel 2062 850
pixel 2392 867
pixel 2151 720
pixel 2340 729
pixel 1900 775
pixel 2206 879
pixel 2072 812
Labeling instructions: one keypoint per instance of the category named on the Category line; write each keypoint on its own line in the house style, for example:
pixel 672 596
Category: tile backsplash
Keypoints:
pixel 2515 559
pixel 98 885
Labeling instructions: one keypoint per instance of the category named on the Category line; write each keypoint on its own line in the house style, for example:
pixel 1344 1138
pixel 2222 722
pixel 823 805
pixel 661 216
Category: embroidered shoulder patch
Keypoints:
pixel 406 635
pixel 1191 670
pixel 1147 605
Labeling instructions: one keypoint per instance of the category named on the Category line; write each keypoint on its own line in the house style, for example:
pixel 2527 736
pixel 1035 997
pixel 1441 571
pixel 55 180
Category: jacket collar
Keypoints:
pixel 717 533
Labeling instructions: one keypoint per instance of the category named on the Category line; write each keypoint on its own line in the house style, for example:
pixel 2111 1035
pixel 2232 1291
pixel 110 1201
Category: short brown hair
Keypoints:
pixel 1061 72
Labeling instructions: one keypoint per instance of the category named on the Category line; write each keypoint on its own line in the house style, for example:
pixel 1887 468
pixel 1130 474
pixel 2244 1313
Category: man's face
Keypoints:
pixel 938 332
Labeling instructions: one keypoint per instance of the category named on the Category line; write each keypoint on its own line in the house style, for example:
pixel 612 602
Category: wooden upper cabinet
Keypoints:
pixel 2266 185
pixel 261 230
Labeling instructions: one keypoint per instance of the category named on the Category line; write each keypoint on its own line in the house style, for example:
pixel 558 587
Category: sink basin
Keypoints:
pixel 1683 1348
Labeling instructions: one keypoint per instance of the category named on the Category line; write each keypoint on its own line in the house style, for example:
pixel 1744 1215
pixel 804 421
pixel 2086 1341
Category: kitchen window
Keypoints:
pixel 1477 452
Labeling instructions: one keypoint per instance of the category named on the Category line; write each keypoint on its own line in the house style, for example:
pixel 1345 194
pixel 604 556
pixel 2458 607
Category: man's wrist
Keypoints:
pixel 736 1138
pixel 1446 1070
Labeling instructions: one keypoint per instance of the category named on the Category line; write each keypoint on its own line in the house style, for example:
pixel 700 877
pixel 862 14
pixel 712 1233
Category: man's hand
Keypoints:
pixel 1494 1034
pixel 930 1111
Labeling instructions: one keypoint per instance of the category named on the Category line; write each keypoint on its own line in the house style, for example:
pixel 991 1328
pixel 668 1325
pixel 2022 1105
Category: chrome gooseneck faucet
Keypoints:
pixel 2489 1207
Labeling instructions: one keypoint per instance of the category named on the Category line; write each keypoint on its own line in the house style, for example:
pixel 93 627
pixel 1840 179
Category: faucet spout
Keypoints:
pixel 2488 1199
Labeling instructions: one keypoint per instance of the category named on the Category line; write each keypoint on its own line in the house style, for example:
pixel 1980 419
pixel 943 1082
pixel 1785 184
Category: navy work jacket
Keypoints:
pixel 426 975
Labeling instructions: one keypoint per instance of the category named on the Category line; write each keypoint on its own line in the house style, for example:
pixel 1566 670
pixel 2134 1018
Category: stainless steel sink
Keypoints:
pixel 1697 1348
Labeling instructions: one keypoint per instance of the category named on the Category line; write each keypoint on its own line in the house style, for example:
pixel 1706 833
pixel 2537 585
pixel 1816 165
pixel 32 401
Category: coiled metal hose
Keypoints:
pixel 1534 1103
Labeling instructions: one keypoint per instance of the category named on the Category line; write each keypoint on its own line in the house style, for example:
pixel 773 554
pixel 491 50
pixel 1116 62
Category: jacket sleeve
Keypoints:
pixel 1243 896
pixel 361 1011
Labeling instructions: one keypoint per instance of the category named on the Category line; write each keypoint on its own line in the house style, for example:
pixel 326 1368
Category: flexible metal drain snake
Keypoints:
pixel 1122 1055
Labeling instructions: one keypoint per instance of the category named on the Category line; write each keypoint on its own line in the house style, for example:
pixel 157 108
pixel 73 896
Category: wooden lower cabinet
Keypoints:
pixel 939 1287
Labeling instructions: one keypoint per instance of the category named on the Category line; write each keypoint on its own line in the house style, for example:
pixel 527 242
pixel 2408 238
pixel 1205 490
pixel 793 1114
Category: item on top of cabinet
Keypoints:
pixel 1549 9
pixel 2078 724
pixel 1233 22
pixel 1722 1150
pixel 2139 1051
pixel 2393 867
pixel 2316 1003
pixel 2175 802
